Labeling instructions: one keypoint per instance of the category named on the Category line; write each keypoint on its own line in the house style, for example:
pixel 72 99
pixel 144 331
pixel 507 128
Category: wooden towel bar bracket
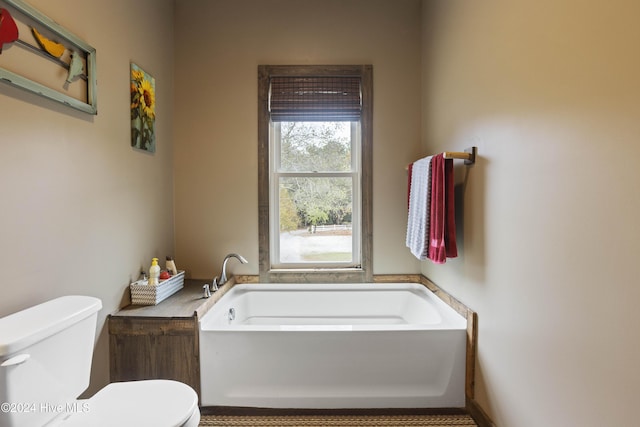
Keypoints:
pixel 469 155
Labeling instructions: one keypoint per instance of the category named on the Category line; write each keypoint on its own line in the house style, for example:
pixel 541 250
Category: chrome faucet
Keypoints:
pixel 207 291
pixel 223 277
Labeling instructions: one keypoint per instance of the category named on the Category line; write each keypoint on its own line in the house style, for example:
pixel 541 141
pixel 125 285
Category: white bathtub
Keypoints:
pixel 332 346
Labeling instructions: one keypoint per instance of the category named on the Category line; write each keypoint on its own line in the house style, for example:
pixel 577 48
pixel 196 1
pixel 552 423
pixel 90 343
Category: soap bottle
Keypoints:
pixel 171 266
pixel 154 272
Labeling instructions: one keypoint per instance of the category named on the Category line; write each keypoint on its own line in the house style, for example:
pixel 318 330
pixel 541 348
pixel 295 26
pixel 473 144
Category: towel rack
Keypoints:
pixel 469 155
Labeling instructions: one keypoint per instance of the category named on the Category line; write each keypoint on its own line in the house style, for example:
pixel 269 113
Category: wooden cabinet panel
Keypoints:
pixel 154 348
pixel 161 341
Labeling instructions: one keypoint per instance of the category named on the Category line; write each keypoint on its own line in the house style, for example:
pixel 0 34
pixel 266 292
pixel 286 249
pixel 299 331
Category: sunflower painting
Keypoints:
pixel 143 110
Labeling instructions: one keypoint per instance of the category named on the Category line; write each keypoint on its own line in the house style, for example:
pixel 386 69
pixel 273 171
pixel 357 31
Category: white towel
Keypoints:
pixel 419 200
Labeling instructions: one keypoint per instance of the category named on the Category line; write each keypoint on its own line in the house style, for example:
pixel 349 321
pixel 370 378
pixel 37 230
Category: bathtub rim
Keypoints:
pixel 450 319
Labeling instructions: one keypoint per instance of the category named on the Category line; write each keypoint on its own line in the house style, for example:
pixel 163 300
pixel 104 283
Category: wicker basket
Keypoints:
pixel 143 294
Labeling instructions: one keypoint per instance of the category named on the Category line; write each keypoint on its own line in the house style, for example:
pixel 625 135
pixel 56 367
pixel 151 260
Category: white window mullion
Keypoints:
pixel 356 192
pixel 315 174
pixel 274 192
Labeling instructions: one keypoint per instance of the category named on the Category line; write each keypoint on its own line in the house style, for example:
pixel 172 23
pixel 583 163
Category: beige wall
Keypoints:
pixel 219 45
pixel 549 91
pixel 81 210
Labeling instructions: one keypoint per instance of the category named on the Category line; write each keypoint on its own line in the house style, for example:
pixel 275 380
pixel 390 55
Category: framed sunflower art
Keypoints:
pixel 143 109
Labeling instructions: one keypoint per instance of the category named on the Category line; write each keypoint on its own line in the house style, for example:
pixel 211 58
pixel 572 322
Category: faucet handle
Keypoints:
pixel 207 291
pixel 214 284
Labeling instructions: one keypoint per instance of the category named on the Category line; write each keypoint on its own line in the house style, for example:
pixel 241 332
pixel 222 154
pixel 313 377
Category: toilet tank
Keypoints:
pixel 45 358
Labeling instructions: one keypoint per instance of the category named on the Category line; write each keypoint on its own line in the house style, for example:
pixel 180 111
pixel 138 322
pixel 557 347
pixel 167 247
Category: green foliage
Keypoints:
pixel 316 215
pixel 288 214
pixel 316 147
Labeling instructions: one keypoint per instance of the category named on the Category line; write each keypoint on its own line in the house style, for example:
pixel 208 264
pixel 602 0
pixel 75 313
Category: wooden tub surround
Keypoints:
pixel 463 310
pixel 161 341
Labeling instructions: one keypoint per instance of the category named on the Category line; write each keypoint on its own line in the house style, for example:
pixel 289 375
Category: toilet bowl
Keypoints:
pixel 45 364
pixel 135 403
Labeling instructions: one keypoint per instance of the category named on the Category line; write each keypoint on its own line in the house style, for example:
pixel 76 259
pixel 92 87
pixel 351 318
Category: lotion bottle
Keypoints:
pixel 171 266
pixel 154 272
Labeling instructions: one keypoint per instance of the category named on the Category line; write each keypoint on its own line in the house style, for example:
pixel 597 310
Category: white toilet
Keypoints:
pixel 45 364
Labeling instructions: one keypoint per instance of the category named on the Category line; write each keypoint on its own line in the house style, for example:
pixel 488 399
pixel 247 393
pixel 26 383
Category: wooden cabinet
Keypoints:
pixel 150 348
pixel 161 341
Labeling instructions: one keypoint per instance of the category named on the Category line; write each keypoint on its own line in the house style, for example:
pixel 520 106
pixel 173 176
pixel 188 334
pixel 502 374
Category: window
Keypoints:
pixel 315 194
pixel 314 132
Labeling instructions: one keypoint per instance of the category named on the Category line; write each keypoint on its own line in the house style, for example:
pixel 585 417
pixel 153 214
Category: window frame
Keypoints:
pixel 354 174
pixel 361 273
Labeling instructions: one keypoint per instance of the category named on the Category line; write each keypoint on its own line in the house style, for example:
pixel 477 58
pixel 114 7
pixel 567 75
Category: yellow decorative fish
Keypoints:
pixel 52 48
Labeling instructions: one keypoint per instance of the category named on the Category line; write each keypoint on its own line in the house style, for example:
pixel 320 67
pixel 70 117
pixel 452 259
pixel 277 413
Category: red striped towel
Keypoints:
pixel 442 232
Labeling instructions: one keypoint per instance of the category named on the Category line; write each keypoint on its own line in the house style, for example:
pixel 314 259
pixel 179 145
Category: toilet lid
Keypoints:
pixel 156 403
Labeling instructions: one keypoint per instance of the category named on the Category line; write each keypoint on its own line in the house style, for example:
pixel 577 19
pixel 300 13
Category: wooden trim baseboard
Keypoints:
pixel 477 413
pixel 276 412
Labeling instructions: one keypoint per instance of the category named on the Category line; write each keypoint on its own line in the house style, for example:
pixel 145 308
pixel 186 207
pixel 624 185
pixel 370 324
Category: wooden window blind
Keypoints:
pixel 329 98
